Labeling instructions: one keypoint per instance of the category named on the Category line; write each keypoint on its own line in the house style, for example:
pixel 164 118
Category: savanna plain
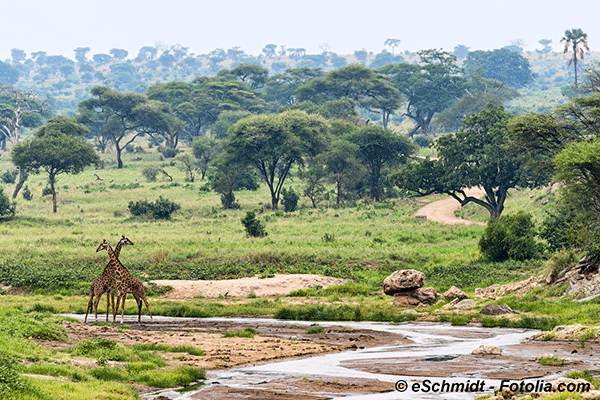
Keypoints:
pixel 48 261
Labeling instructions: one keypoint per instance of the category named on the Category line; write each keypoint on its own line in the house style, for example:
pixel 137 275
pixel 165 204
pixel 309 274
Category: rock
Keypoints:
pixel 591 395
pixel 454 293
pixel 569 329
pixel 421 297
pixel 488 293
pixel 403 281
pixel 567 381
pixel 451 304
pixel 484 350
pixel 465 304
pixel 409 311
pixel 494 309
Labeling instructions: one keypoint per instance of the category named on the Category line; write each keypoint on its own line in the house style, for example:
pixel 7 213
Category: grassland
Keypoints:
pixel 49 259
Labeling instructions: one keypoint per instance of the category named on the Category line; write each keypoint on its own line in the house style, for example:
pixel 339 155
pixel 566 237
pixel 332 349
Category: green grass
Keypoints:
pixel 554 361
pixel 243 333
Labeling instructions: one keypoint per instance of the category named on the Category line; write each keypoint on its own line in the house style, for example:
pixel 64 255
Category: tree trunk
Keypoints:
pixel 119 160
pixel 52 180
pixel 22 178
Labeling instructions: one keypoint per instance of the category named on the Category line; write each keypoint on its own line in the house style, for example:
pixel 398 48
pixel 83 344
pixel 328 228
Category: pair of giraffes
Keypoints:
pixel 106 283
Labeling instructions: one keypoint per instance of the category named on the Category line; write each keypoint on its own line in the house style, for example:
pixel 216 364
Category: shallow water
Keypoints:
pixel 430 340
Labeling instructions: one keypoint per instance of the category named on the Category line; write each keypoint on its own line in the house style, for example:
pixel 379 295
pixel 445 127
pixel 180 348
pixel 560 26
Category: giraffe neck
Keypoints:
pixel 119 268
pixel 117 250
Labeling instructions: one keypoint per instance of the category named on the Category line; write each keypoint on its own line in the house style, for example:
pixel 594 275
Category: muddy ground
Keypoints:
pixel 275 341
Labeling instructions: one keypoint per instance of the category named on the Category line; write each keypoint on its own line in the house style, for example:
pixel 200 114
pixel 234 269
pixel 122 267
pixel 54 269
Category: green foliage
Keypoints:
pixel 551 361
pixel 8 176
pixel 151 173
pixel 474 156
pixel 510 237
pixel 244 333
pixel 12 385
pixel 160 209
pixel 502 65
pixel 8 208
pixel 315 330
pixel 289 200
pixel 27 195
pixel 254 227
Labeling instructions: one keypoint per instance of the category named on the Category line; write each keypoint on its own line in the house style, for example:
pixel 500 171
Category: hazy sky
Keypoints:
pixel 59 26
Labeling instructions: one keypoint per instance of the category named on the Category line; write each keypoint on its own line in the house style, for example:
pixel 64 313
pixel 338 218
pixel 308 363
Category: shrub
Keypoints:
pixel 27 195
pixel 7 208
pixel 150 173
pixel 290 200
pixel 510 237
pixel 8 177
pixel 160 209
pixel 254 227
pixel 228 201
pixel 422 141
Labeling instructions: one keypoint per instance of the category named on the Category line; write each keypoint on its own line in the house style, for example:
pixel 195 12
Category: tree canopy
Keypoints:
pixel 57 148
pixel 429 87
pixel 502 65
pixel 474 156
pixel 273 143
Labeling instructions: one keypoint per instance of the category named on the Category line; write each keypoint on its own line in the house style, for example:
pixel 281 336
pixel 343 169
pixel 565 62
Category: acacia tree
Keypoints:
pixel 57 148
pixel 18 109
pixel 273 143
pixel 474 156
pixel 429 87
pixel 378 146
pixel 113 115
pixel 577 40
pixel 369 89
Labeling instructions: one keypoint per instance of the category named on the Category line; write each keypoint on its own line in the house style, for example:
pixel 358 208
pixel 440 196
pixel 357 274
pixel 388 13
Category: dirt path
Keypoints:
pixel 279 284
pixel 443 210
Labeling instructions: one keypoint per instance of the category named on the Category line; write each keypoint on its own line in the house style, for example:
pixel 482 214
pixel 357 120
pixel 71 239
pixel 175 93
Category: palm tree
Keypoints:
pixel 575 38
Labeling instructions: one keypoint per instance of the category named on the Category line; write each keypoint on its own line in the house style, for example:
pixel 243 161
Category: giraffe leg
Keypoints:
pixel 147 308
pixel 115 310
pixel 107 303
pixel 96 302
pixel 89 307
pixel 112 298
pixel 123 307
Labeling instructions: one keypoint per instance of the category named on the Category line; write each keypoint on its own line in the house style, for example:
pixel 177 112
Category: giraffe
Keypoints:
pixel 105 283
pixel 127 284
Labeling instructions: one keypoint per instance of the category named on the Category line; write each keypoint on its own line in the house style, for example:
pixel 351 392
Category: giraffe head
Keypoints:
pixel 124 241
pixel 103 246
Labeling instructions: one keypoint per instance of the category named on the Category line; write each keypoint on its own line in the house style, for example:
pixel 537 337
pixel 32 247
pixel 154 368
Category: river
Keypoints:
pixel 430 343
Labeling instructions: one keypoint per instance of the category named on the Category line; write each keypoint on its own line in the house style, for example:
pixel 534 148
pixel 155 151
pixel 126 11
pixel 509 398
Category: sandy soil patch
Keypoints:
pixel 280 284
pixel 443 210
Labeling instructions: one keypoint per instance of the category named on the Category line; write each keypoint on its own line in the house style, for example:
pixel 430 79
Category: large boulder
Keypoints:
pixel 403 281
pixel 421 297
pixel 455 293
pixel 494 309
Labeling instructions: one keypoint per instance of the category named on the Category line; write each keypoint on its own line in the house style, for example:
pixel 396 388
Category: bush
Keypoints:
pixel 150 173
pixel 422 141
pixel 228 201
pixel 8 177
pixel 254 227
pixel 7 208
pixel 160 209
pixel 290 200
pixel 510 237
pixel 27 195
